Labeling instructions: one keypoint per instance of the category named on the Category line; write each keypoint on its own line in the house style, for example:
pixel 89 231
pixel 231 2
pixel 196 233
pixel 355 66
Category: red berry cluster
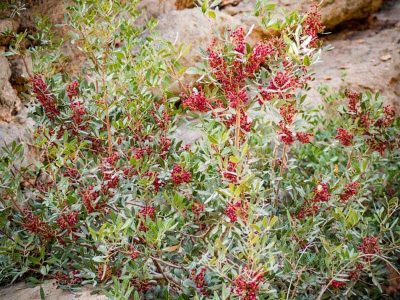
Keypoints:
pixel 260 53
pixel 138 153
pixel 304 137
pixel 179 175
pixel 72 89
pixel 68 279
pixel 43 95
pixel 353 102
pixel 33 224
pixel 282 85
pixel 230 173
pixel 338 284
pixel 349 191
pixel 312 25
pixel 199 280
pixel 197 208
pixel 89 200
pixel 375 139
pixel 236 209
pixel 67 221
pixel 78 112
pixel 247 285
pixel 133 253
pixel 344 136
pixel 285 134
pixel 157 183
pixel 321 194
pixel 245 123
pixel 288 112
pixel 238 40
pixel 72 173
pixel 146 211
pixel 369 246
pixel 110 174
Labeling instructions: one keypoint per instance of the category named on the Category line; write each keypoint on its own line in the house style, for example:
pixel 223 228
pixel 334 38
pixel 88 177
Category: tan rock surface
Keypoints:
pixel 20 291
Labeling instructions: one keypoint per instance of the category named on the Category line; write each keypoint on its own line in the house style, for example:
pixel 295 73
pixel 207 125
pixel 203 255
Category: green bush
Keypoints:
pixel 276 200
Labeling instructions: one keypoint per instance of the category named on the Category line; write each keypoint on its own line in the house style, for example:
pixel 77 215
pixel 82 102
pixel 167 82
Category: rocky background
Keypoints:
pixel 364 34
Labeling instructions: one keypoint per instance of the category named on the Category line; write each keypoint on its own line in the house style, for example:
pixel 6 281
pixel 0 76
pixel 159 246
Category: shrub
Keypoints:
pixel 275 200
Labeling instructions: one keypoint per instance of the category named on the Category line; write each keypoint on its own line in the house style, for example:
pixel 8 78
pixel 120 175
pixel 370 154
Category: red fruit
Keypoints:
pixel 344 137
pixel 180 175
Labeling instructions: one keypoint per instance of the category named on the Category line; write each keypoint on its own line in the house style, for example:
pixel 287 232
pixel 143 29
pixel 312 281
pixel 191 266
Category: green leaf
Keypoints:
pixel 42 295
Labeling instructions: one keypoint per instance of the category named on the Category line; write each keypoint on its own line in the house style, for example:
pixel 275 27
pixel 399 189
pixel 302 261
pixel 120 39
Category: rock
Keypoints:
pixel 155 8
pixel 192 28
pixel 20 291
pixel 10 104
pixel 19 131
pixel 335 12
pixel 386 57
pixel 8 27
pixel 21 67
pixel 372 65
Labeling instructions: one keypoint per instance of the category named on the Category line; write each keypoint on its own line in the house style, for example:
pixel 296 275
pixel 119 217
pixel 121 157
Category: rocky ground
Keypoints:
pixel 366 56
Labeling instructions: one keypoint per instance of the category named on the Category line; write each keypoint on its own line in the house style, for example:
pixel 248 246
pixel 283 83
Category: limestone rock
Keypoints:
pixel 21 291
pixel 356 62
pixel 192 27
pixel 21 67
pixel 335 12
pixel 10 104
pixel 7 28
pixel 155 8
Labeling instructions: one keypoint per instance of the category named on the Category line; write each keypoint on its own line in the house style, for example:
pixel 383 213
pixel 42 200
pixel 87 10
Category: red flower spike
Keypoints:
pixel 344 137
pixel 43 95
pixel 354 101
pixel 312 25
pixel 72 89
pixel 285 135
pixel 89 197
pixel 287 112
pixel 247 285
pixel 349 191
pixel 238 40
pixel 337 284
pixel 369 246
pixel 197 208
pixel 321 193
pixel 67 221
pixel 282 84
pixel 259 55
pixel 78 112
pixel 230 173
pixel 304 137
pixel 179 175
pixel 197 101
pixel 33 224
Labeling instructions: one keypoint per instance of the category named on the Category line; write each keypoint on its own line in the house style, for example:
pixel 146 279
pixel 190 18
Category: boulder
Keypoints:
pixel 335 12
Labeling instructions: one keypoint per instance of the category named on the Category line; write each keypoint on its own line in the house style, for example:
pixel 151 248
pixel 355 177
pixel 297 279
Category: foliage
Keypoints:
pixel 275 200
